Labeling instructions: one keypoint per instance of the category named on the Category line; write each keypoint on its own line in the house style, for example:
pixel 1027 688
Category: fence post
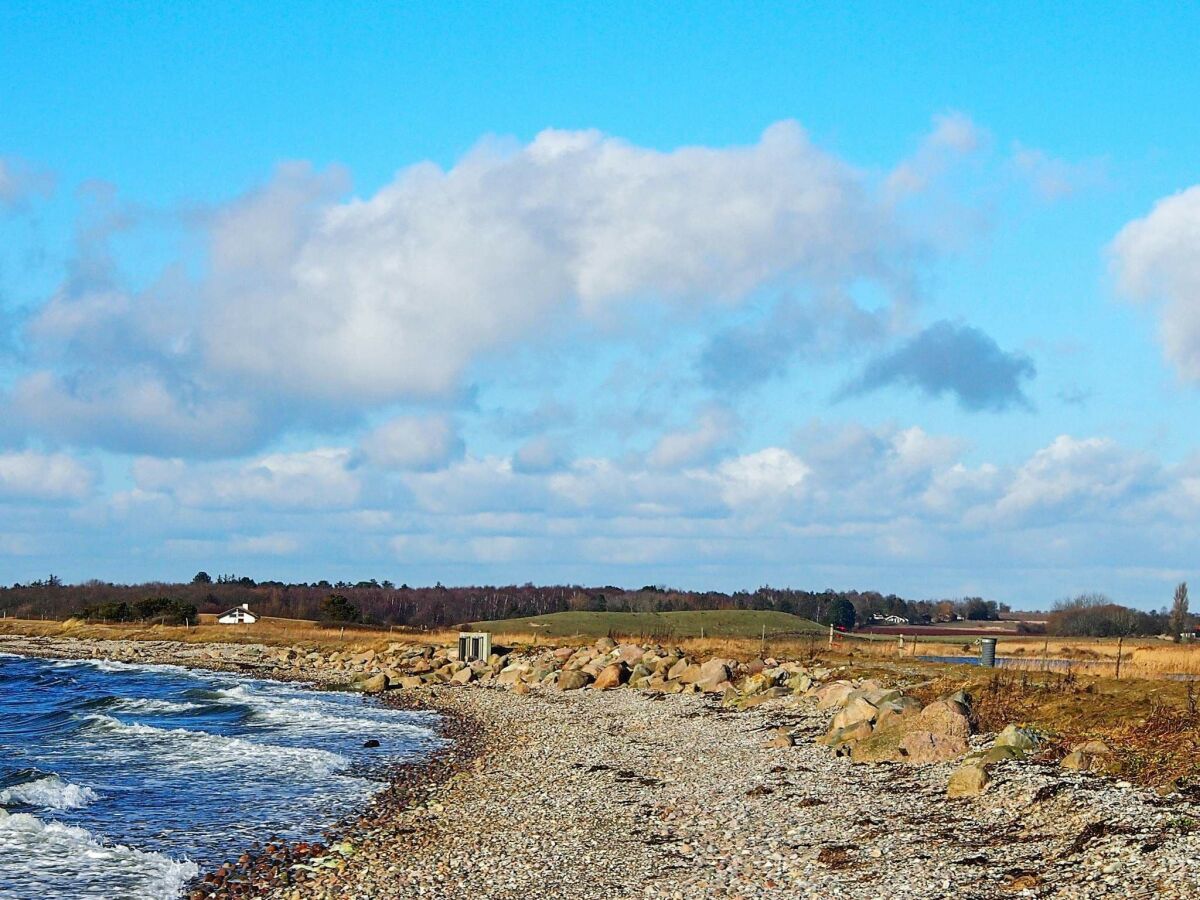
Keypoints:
pixel 830 635
pixel 1120 642
pixel 762 647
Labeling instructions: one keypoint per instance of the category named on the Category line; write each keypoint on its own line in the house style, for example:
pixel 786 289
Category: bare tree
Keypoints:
pixel 1179 611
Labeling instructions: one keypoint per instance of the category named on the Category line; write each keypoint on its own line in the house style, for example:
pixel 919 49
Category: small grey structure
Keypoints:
pixel 473 645
pixel 987 652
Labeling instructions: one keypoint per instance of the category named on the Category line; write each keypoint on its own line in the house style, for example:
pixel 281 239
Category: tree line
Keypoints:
pixel 385 603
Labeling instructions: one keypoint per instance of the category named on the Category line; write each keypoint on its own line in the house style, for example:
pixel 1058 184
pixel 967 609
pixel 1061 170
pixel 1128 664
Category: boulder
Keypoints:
pixel 573 680
pixel 946 718
pixel 1001 754
pixel 882 746
pixel 1018 738
pixel 893 711
pixel 843 740
pixel 833 694
pixel 408 682
pixel 919 748
pixel 463 676
pixel 968 780
pixel 376 684
pixel 630 654
pixel 678 668
pixel 612 676
pixel 520 688
pixel 857 710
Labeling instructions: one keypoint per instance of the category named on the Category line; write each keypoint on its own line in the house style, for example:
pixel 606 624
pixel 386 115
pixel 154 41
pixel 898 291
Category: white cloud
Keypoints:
pixel 412 442
pixel 308 306
pixel 712 432
pixel 1157 260
pixel 36 476
pixel 770 477
pixel 312 480
pixel 1080 477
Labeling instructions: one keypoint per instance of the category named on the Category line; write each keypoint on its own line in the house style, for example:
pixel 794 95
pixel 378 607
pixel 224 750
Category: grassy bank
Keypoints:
pixel 738 623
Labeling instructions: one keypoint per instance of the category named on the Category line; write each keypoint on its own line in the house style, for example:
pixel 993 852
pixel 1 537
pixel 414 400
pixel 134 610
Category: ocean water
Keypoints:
pixel 122 781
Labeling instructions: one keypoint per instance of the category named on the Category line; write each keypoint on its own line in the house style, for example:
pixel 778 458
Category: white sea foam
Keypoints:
pixel 314 711
pixel 181 748
pixel 49 792
pixel 150 706
pixel 54 860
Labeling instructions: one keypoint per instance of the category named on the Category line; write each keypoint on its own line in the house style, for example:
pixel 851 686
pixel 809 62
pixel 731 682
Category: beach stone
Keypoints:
pixel 678 668
pixel 1018 738
pixel 857 710
pixel 783 738
pixel 376 684
pixel 573 680
pixel 968 780
pixel 833 694
pixel 923 747
pixel 946 718
pixel 610 677
pixel 463 676
pixel 893 711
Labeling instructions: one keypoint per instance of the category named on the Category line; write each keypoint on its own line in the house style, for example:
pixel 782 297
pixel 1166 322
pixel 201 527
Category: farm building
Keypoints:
pixel 239 615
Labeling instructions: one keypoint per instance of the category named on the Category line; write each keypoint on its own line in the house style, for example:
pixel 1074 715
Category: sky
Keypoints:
pixel 878 296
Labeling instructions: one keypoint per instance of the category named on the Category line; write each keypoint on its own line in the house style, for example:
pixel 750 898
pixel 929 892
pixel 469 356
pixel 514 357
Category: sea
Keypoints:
pixel 126 781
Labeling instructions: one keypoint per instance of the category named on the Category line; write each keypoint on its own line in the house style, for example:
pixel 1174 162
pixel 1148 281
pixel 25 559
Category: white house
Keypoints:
pixel 239 615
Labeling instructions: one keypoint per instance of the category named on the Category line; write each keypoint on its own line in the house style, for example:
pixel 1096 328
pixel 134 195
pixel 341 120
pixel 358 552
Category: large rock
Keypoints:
pixel 612 676
pixel 857 710
pixel 678 668
pixel 843 740
pixel 968 780
pixel 945 718
pixel 920 748
pixel 1090 756
pixel 376 684
pixel 630 654
pixel 891 712
pixel 573 680
pixel 463 676
pixel 1018 738
pixel 833 694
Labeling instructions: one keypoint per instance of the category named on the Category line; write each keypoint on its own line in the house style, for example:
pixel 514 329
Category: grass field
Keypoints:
pixel 729 623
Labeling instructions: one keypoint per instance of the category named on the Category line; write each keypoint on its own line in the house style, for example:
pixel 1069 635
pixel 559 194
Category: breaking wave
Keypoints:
pixel 48 792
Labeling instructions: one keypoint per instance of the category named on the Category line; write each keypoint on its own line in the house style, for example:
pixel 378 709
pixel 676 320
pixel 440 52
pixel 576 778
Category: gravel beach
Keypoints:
pixel 630 794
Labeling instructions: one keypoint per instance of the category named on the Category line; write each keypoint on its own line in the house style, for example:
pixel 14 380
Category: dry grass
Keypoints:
pixel 272 632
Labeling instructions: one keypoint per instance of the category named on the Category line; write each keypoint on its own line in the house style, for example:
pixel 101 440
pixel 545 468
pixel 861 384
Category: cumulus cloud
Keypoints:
pixel 311 480
pixel 1156 260
pixel 1081 477
pixel 955 359
pixel 412 442
pixel 713 431
pixel 311 305
pixel 37 476
pixel 21 182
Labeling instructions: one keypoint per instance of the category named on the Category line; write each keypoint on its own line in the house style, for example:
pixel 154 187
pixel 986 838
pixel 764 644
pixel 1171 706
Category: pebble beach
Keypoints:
pixel 601 794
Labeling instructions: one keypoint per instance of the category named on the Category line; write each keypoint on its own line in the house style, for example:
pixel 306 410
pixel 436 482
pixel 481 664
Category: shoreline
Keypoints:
pixel 623 794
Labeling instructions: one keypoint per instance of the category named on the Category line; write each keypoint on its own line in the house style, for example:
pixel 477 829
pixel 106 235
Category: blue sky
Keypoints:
pixel 714 295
